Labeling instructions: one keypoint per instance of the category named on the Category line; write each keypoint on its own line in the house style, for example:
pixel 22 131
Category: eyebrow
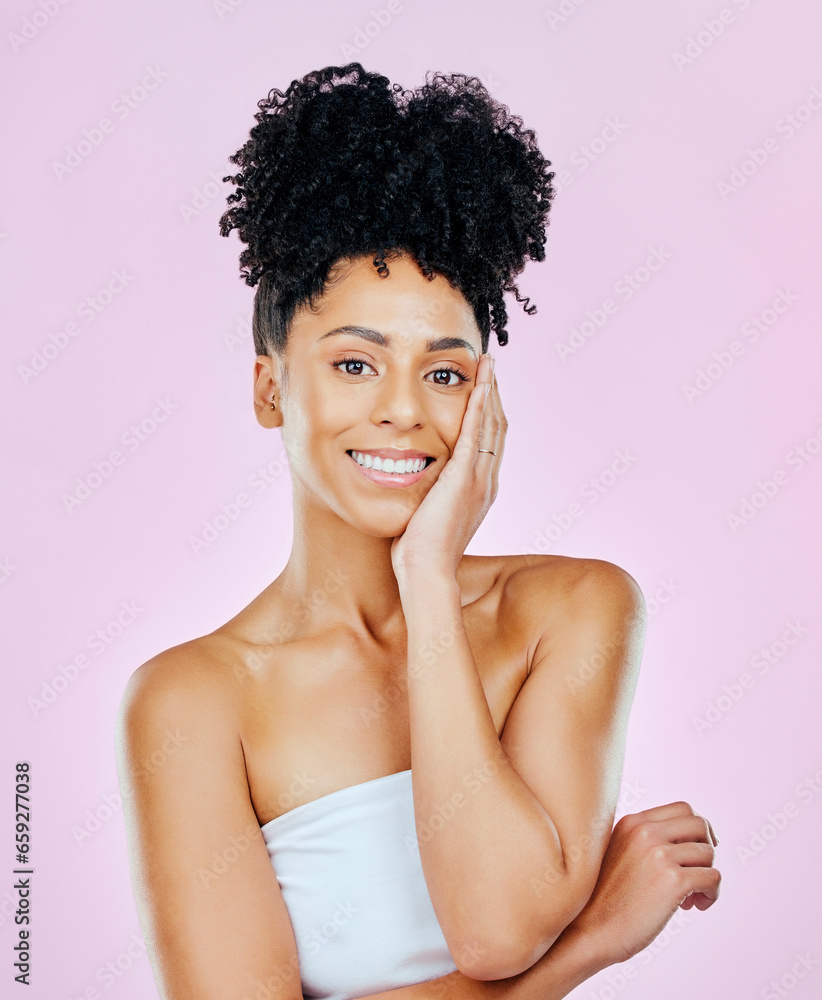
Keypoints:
pixel 440 344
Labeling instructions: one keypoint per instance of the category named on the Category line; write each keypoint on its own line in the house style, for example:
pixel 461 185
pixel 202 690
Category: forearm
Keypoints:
pixel 483 835
pixel 571 960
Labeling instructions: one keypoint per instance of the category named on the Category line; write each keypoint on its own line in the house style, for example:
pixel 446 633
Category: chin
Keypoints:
pixel 383 520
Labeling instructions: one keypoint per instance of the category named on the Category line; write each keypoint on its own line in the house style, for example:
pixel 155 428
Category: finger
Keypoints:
pixel 465 449
pixel 691 854
pixel 485 440
pixel 666 811
pixel 489 438
pixel 479 398
pixel 485 369
pixel 703 884
pixel 498 411
pixel 500 424
pixel 698 900
pixel 680 828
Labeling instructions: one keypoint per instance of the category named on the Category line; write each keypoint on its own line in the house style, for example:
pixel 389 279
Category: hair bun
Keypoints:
pixel 345 164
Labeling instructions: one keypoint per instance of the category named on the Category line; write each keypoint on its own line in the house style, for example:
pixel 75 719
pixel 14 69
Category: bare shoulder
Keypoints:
pixel 525 580
pixel 535 578
pixel 548 596
pixel 184 686
pixel 206 892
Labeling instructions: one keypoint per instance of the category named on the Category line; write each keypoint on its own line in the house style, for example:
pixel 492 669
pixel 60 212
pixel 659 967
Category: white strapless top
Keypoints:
pixel 348 865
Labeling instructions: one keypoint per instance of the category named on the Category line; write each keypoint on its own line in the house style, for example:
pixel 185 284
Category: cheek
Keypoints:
pixel 447 416
pixel 314 421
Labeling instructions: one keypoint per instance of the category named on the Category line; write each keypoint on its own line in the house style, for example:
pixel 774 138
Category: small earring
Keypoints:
pixel 273 407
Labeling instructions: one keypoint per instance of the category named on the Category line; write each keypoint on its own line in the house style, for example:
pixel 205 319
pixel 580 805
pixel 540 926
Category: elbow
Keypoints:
pixel 486 961
pixel 500 955
pixel 497 959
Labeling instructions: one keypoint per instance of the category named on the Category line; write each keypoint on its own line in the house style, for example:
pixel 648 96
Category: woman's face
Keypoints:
pixel 381 392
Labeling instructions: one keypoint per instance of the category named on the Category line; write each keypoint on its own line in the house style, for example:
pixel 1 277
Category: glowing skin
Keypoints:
pixel 398 398
pixel 342 669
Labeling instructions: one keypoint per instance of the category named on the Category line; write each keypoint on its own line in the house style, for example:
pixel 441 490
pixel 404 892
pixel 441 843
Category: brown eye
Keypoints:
pixel 351 361
pixel 448 372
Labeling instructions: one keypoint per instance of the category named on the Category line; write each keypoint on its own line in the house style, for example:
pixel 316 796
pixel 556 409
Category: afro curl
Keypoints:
pixel 344 164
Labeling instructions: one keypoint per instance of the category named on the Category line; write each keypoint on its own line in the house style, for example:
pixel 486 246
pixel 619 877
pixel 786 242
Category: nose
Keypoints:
pixel 399 400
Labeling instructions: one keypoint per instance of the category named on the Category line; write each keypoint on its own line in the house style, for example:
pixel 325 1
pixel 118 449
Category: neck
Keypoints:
pixel 337 575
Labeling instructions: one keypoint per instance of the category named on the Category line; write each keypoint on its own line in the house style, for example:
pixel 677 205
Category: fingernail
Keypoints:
pixel 492 364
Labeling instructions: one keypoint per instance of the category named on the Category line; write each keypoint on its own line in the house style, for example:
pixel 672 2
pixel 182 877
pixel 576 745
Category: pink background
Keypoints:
pixel 661 177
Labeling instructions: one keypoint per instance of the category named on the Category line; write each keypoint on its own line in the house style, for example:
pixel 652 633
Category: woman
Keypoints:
pixel 282 844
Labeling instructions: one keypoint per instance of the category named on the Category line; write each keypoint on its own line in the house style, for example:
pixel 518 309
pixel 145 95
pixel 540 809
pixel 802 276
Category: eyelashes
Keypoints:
pixel 445 368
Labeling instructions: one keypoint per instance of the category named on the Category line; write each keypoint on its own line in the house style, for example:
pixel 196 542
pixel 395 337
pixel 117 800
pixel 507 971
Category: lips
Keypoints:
pixel 395 480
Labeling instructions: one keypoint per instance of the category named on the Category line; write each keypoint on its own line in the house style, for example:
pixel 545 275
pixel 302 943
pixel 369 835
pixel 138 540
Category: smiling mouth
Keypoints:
pixel 390 466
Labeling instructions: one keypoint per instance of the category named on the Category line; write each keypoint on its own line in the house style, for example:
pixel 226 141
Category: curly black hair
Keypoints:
pixel 346 165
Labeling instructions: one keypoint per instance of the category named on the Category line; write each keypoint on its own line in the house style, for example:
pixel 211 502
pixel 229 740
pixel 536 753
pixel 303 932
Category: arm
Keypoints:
pixel 656 860
pixel 213 932
pixel 572 959
pixel 548 784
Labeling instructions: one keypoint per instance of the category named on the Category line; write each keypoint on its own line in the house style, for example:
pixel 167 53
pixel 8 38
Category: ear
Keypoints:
pixel 266 390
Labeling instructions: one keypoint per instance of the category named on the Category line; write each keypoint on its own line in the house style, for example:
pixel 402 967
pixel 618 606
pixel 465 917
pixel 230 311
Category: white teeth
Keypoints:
pixel 389 465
